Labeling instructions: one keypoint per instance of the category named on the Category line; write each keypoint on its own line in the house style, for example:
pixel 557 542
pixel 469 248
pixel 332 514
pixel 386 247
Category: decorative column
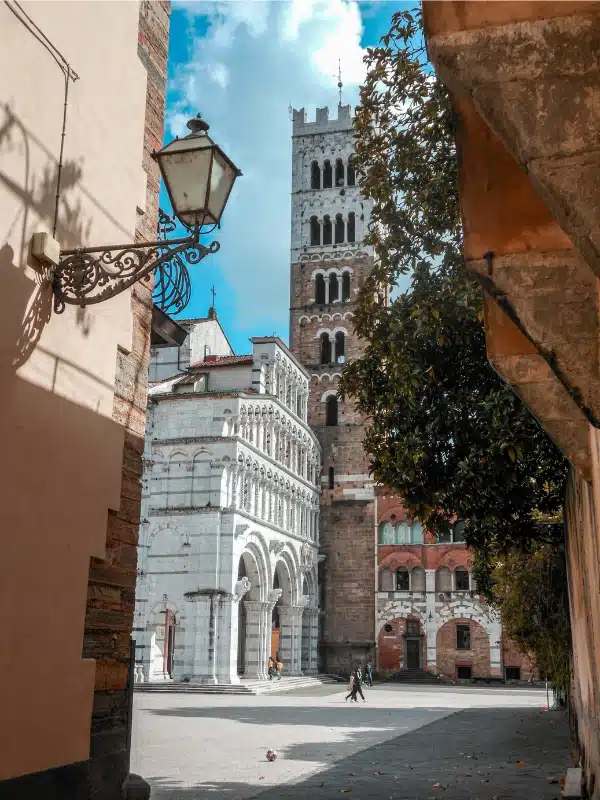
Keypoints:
pixel 432 624
pixel 310 628
pixel 290 641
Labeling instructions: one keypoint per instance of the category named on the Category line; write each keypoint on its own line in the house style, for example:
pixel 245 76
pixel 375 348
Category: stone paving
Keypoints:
pixel 405 743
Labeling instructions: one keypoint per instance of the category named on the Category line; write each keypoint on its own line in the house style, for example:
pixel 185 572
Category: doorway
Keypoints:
pixel 413 654
pixel 169 648
pixel 275 631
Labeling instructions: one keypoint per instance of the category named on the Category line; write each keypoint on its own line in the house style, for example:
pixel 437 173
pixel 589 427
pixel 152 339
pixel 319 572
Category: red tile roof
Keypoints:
pixel 222 361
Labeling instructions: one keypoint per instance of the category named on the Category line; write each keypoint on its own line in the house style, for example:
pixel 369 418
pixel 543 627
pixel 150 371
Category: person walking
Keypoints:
pixel 279 669
pixel 369 673
pixel 271 667
pixel 358 688
pixel 352 688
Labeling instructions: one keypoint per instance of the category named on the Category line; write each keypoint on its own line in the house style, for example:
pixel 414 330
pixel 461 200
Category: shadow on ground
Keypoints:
pixel 483 754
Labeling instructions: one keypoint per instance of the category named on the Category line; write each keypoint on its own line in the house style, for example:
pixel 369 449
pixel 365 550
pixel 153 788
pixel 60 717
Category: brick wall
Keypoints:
pixel 449 657
pixel 111 590
pixel 391 646
pixel 513 657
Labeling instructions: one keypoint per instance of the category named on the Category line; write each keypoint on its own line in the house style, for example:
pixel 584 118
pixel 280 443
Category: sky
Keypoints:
pixel 242 64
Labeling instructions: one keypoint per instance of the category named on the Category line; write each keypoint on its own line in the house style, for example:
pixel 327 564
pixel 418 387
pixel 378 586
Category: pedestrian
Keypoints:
pixel 357 686
pixel 352 688
pixel 271 667
pixel 278 668
pixel 369 673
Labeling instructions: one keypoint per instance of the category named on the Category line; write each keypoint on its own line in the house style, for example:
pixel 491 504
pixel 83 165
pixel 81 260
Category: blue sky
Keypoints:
pixel 241 64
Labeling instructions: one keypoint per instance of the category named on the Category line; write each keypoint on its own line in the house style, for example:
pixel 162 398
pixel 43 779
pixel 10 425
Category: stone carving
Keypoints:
pixel 304 601
pixel 307 557
pixel 274 595
pixel 241 588
pixel 276 547
pixel 321 558
pixel 240 530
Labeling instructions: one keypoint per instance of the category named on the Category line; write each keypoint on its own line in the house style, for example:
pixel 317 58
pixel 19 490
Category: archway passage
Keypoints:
pixel 463 650
pixel 275 633
pixel 169 649
pixel 247 658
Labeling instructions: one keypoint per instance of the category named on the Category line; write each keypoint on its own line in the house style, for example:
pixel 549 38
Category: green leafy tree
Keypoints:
pixel 445 432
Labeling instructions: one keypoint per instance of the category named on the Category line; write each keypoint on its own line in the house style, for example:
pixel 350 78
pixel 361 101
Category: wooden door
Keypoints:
pixel 413 659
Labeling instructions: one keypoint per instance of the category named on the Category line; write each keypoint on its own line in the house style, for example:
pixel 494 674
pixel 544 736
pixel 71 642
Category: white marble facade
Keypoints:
pixel 230 522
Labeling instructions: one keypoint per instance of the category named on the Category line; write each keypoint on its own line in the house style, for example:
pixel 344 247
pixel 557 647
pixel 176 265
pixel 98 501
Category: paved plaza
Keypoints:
pixel 405 742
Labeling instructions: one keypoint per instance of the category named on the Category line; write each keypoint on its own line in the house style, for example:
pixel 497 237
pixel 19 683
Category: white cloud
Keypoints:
pixel 256 59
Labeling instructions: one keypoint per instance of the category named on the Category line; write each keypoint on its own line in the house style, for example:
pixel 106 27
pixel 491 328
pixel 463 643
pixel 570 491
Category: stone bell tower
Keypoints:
pixel 329 264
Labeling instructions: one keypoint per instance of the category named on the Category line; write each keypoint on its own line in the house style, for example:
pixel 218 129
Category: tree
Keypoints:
pixel 446 432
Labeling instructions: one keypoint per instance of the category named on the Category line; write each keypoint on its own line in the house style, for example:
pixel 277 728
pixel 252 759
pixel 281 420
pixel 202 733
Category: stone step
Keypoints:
pixel 244 687
pixel 413 676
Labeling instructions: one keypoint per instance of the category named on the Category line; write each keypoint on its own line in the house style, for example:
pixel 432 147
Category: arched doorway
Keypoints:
pixel 247 568
pixel 169 650
pixel 162 631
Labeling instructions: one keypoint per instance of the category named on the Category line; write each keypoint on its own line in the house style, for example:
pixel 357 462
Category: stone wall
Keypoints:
pixel 111 590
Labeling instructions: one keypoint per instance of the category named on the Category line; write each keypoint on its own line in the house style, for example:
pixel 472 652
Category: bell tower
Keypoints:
pixel 329 263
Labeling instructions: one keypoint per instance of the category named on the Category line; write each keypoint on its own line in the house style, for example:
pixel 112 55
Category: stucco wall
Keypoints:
pixel 63 450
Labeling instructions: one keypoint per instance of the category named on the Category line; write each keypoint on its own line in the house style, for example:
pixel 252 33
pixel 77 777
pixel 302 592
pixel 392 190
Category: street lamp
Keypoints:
pixel 199 178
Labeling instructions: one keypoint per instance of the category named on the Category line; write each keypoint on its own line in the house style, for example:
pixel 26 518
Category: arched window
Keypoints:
pixel 386 580
pixel 331 411
pixel 386 533
pixel 402 533
pixel 327 174
pixel 340 348
pixel 351 173
pixel 333 288
pixel 443 580
pixel 339 229
pixel 325 349
pixel 320 290
pixel 331 477
pixel 315 176
pixel 327 230
pixel 339 172
pixel 461 579
pixel 315 231
pixel 351 237
pixel 444 537
pixel 416 533
pixel 417 579
pixel 458 532
pixel 402 580
pixel 345 286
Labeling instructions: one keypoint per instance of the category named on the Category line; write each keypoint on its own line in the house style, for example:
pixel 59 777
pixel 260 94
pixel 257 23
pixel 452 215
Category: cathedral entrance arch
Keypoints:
pixel 161 632
pixel 247 568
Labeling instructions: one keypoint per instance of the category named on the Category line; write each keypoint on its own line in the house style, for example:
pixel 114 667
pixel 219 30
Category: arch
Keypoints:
pixel 402 643
pixel 327 230
pixel 386 533
pixel 331 411
pixel 315 231
pixel 333 287
pixel 443 580
pixel 402 531
pixel 315 175
pixel 339 172
pixel 325 350
pixel 416 533
pixel 340 347
pixel 417 580
pixel 351 234
pixel 200 488
pixel 463 643
pixel 345 286
pixel 284 579
pixel 461 580
pixel 458 531
pixel 339 229
pixel 178 481
pixel 386 580
pixel 166 539
pixel 327 174
pixel 351 172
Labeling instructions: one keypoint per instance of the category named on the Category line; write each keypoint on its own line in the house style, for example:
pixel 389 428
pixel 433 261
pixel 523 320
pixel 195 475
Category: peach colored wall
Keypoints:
pixel 62 453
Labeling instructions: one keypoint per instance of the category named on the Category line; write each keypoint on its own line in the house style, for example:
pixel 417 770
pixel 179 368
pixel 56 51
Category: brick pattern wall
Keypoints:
pixel 449 657
pixel 391 646
pixel 513 657
pixel 111 589
pixel 348 510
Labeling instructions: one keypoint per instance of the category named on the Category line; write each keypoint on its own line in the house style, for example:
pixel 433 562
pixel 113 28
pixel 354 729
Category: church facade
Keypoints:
pixel 329 263
pixel 227 564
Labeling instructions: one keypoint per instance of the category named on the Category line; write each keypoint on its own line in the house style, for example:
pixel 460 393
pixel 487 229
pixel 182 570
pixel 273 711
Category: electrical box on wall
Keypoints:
pixel 46 249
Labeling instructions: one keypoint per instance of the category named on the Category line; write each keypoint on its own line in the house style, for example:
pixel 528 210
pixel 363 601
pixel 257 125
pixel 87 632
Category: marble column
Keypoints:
pixel 313 638
pixel 290 641
pixel 254 666
pixel 200 640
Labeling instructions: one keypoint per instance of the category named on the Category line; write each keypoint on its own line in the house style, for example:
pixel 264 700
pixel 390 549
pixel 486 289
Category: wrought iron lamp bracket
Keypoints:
pixel 90 275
